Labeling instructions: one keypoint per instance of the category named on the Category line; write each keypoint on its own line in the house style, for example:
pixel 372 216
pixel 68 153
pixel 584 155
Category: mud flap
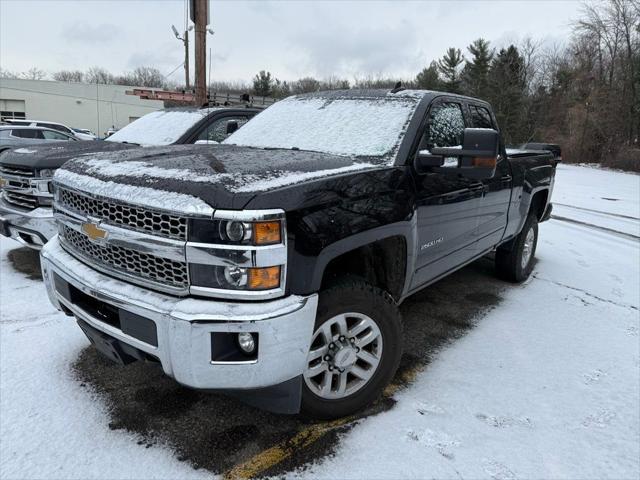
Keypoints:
pixel 283 398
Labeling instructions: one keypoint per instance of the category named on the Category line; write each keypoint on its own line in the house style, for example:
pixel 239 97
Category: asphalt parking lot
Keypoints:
pixel 223 435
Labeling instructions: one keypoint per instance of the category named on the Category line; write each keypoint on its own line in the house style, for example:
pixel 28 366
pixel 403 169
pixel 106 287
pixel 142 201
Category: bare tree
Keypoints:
pixel 68 76
pixel 33 73
pixel 99 75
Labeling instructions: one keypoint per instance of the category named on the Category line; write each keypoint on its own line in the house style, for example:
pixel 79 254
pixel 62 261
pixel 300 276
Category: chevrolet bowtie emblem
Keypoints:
pixel 94 232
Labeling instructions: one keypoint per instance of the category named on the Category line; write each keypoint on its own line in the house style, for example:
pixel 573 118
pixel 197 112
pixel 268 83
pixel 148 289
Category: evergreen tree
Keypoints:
pixel 475 75
pixel 507 92
pixel 262 84
pixel 449 68
pixel 428 78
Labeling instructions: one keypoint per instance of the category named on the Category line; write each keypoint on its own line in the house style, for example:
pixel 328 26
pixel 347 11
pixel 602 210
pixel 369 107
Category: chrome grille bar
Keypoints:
pixel 17 170
pixel 150 267
pixel 124 215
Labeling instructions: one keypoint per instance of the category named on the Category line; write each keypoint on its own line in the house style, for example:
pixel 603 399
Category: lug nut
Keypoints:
pixel 341 338
pixel 327 358
pixel 357 349
pixel 330 368
pixel 332 346
pixel 352 339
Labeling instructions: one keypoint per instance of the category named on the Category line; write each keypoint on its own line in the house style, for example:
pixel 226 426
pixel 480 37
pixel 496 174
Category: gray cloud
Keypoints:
pixel 92 34
pixel 338 50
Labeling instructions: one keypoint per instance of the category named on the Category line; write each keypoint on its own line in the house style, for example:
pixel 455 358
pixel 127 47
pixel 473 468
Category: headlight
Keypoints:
pixel 236 232
pixel 235 278
pixel 47 172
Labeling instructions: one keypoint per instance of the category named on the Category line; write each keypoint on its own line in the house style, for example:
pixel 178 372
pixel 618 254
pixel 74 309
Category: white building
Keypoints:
pixel 77 105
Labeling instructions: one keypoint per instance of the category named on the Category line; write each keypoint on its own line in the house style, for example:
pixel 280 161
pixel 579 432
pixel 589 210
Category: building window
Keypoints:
pixel 12 115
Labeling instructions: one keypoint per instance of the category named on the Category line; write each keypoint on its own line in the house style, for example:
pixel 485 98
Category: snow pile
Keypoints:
pixel 159 128
pixel 342 126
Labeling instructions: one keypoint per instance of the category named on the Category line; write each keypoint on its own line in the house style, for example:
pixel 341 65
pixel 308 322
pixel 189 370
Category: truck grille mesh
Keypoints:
pixel 143 265
pixel 128 216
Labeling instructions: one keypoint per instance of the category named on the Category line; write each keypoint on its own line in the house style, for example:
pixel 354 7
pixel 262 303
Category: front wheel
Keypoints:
pixel 355 349
pixel 516 263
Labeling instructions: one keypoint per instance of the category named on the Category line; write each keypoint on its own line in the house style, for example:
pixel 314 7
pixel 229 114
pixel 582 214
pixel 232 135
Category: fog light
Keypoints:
pixel 246 342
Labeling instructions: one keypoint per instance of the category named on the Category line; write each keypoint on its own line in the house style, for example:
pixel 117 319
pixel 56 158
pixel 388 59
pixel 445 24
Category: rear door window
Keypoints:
pixel 27 133
pixel 480 117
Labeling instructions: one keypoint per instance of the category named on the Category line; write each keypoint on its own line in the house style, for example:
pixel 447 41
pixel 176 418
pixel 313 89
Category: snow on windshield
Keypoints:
pixel 159 128
pixel 366 126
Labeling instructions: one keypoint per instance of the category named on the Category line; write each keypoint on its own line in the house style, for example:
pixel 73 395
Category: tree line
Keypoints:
pixel 143 76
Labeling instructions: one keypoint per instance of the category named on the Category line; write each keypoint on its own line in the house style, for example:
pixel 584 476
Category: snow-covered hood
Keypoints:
pixel 197 177
pixel 54 155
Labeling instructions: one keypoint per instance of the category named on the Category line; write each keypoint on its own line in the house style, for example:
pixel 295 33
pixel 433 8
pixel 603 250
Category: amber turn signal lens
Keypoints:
pixel 266 233
pixel 264 278
pixel 487 162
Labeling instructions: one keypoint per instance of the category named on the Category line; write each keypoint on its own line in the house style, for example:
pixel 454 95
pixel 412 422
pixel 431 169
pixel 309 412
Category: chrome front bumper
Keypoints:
pixel 185 325
pixel 33 228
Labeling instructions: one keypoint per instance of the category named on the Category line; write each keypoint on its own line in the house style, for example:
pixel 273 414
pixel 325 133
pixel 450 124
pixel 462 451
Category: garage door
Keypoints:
pixel 12 109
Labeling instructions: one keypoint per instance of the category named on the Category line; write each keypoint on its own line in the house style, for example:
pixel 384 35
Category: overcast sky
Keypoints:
pixel 290 38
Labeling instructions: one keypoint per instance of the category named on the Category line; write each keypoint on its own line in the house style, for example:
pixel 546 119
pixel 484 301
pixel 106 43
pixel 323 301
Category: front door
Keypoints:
pixel 447 203
pixel 494 205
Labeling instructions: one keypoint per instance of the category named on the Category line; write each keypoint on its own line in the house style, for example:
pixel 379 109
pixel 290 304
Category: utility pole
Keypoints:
pixel 186 59
pixel 185 41
pixel 200 16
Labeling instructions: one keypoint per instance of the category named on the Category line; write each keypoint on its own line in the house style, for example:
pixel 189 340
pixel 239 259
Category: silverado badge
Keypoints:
pixel 94 232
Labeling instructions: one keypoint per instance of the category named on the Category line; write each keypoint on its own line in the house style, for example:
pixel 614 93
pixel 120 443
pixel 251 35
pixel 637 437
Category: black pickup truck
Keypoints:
pixel 25 173
pixel 273 265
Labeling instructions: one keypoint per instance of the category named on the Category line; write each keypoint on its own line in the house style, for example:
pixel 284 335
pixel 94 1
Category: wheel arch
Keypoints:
pixel 382 256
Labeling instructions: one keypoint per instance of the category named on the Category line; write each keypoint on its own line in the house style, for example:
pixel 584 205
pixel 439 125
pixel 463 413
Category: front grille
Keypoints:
pixel 21 199
pixel 17 170
pixel 127 216
pixel 143 265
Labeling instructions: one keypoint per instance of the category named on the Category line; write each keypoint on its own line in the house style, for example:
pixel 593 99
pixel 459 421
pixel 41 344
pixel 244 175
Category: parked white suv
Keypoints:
pixel 52 125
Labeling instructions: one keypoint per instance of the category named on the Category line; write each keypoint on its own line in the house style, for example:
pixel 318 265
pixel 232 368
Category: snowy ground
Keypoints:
pixel 546 386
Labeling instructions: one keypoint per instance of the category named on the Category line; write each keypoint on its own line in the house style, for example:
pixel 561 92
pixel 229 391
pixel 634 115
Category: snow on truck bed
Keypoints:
pixel 546 386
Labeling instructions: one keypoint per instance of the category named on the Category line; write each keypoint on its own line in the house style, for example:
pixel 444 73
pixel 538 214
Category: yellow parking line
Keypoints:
pixel 272 456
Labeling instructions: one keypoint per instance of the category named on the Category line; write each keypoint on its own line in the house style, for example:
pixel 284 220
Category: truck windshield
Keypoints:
pixel 359 126
pixel 158 128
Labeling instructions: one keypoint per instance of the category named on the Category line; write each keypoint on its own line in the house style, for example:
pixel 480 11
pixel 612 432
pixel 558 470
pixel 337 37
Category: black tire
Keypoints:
pixel 355 295
pixel 509 259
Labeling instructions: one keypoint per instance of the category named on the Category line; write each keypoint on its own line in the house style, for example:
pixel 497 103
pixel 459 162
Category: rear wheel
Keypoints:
pixel 355 349
pixel 516 263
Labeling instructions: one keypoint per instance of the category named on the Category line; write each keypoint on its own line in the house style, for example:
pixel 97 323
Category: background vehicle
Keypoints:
pixel 15 136
pixel 85 131
pixel 25 204
pixel 274 264
pixel 53 126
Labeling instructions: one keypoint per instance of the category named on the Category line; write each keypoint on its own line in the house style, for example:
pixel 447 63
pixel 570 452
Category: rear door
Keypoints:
pixel 447 203
pixel 494 204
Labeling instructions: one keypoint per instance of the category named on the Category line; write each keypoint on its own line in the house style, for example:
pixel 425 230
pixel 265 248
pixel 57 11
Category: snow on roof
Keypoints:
pixel 361 123
pixel 159 128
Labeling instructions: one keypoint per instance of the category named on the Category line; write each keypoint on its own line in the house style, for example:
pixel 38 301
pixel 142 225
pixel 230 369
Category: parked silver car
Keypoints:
pixel 13 136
